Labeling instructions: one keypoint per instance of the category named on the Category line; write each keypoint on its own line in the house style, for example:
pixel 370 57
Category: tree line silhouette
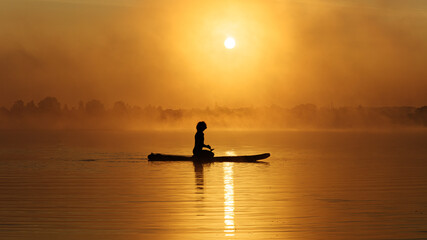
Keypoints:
pixel 49 113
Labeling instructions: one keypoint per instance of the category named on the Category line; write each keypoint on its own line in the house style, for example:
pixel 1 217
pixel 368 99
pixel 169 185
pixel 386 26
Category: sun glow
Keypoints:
pixel 229 43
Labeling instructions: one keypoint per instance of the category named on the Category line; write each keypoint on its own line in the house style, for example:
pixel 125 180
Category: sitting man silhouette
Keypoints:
pixel 199 143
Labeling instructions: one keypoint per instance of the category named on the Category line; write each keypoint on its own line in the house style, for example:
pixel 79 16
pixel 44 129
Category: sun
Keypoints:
pixel 229 43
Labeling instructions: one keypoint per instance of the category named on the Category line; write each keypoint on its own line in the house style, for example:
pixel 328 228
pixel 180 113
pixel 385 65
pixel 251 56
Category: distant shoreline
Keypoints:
pixel 49 113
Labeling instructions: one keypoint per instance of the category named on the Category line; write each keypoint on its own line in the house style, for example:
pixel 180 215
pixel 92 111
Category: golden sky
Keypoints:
pixel 172 53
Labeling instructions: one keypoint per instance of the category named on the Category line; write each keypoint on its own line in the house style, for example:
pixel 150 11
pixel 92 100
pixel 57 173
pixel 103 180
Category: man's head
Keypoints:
pixel 201 126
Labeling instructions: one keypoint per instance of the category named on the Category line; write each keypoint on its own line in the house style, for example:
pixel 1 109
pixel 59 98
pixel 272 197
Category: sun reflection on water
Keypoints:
pixel 230 153
pixel 229 227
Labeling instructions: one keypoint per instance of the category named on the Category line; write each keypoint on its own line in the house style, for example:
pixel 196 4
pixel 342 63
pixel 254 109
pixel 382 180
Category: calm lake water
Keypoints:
pixel 315 185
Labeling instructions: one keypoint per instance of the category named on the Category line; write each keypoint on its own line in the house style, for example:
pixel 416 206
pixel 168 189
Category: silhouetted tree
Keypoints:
pixel 81 106
pixel 305 112
pixel 31 108
pixel 94 107
pixel 50 105
pixel 17 108
pixel 120 108
pixel 170 114
pixel 421 115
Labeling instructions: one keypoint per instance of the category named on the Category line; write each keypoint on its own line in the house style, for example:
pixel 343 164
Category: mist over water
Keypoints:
pixel 316 185
pixel 49 113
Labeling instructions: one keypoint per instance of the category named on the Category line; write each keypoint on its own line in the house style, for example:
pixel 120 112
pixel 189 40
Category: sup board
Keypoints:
pixel 245 158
